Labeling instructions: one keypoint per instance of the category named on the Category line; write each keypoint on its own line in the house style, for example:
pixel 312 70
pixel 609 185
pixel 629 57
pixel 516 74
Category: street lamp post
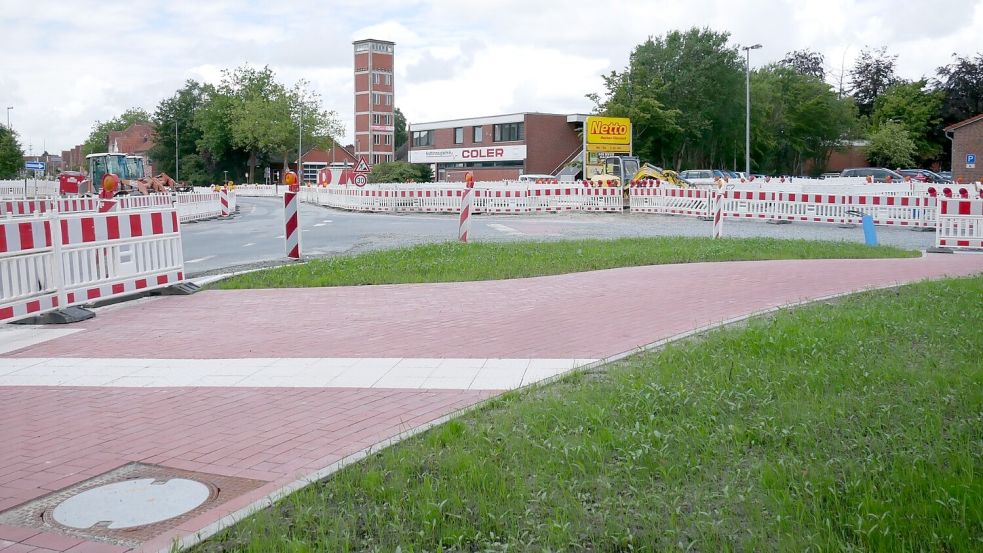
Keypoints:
pixel 747 126
pixel 177 172
pixel 8 116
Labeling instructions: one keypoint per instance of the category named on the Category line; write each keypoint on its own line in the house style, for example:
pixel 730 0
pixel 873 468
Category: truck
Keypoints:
pixel 113 174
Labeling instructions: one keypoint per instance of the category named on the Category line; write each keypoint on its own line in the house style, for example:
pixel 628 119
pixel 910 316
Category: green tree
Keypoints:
pixel 872 74
pixel 919 111
pixel 796 117
pixel 177 114
pixel 400 171
pixel 99 136
pixel 684 93
pixel 962 83
pixel 399 129
pixel 806 62
pixel 11 154
pixel 890 146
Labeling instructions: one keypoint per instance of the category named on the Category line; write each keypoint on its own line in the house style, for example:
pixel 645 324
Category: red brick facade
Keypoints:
pixel 548 139
pixel 374 100
pixel 967 139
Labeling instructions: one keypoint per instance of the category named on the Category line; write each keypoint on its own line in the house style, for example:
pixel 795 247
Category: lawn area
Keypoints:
pixel 456 262
pixel 851 425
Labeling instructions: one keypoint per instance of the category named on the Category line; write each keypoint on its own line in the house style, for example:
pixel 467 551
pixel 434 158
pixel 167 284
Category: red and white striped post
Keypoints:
pixel 291 224
pixel 223 198
pixel 466 201
pixel 718 213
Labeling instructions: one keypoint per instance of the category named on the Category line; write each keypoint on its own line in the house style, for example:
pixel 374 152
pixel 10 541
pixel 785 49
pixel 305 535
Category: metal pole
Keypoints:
pixel 300 152
pixel 747 103
pixel 177 172
pixel 747 122
pixel 8 116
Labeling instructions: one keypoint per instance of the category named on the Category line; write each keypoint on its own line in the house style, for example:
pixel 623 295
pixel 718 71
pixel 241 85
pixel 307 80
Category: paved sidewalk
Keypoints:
pixel 278 385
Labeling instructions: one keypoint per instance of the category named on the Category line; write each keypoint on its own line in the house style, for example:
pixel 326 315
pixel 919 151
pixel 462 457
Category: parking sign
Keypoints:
pixel 971 161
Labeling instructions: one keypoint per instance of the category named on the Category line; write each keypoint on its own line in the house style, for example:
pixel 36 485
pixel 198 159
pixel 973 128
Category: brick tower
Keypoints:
pixel 374 100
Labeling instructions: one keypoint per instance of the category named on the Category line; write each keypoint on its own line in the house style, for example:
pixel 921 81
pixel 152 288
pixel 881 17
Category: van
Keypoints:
pixel 534 178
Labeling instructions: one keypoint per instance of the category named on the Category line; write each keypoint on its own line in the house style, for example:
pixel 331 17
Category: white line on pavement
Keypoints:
pixel 507 230
pixel 249 244
pixel 200 259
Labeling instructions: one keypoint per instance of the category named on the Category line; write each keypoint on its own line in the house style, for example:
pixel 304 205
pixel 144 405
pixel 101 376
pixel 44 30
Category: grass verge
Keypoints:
pixel 856 426
pixel 455 262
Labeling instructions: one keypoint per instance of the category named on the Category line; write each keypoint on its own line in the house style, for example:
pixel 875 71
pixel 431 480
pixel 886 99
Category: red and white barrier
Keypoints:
pixel 960 224
pixel 291 226
pixel 603 198
pixel 464 222
pixel 54 261
pixel 718 215
pixel 223 200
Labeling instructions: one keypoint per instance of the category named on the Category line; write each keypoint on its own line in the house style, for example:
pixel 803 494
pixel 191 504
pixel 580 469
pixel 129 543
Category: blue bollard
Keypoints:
pixel 870 232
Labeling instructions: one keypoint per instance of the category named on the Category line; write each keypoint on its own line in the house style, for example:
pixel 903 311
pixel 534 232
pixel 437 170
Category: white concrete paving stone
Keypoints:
pixel 14 337
pixel 282 372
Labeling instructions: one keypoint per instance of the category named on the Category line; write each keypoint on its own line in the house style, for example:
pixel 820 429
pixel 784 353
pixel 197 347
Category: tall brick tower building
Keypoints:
pixel 374 100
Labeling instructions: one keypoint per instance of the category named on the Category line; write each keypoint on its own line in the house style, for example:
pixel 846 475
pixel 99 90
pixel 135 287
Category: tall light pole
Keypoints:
pixel 8 116
pixel 177 172
pixel 747 127
pixel 300 130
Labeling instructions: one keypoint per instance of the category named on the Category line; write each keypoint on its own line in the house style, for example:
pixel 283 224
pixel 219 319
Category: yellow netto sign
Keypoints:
pixel 608 130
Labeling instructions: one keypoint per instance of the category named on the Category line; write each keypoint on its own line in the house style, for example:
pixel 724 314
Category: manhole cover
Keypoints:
pixel 131 503
pixel 128 505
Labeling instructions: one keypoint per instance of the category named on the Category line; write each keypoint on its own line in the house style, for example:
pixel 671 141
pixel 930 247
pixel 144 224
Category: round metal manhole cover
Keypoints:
pixel 131 503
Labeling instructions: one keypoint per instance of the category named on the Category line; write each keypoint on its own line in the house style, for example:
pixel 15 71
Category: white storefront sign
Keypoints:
pixel 473 154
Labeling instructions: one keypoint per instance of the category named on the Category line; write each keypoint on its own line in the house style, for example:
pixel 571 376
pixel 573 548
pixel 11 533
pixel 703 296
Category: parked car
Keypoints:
pixel 877 174
pixel 947 175
pixel 829 175
pixel 922 175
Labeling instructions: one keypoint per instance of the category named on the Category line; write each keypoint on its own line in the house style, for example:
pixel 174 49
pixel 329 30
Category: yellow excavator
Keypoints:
pixel 617 168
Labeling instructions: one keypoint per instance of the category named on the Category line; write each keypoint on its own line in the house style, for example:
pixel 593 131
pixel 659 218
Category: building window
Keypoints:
pixel 376 139
pixel 459 135
pixel 376 78
pixel 389 139
pixel 361 47
pixel 389 79
pixel 508 132
pixel 478 134
pixel 423 138
pixel 377 98
pixel 389 99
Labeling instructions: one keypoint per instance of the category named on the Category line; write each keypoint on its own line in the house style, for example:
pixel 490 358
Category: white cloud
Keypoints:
pixel 66 65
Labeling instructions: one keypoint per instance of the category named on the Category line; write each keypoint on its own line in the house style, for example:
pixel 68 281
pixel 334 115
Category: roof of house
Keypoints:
pixel 969 121
pixel 136 139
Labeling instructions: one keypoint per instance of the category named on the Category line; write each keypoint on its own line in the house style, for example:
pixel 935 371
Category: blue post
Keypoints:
pixel 870 233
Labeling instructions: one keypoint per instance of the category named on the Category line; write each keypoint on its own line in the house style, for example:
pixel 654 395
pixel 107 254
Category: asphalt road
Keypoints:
pixel 254 236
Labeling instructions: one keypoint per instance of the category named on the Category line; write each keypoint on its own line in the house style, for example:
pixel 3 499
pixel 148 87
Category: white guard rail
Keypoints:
pixel 53 261
pixel 960 224
pixel 32 189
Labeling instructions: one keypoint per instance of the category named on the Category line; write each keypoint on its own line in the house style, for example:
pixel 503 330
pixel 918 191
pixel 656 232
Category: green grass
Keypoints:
pixel 455 262
pixel 850 426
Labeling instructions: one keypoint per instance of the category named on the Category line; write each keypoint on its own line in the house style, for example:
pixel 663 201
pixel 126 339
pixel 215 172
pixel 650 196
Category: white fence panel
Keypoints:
pixel 960 224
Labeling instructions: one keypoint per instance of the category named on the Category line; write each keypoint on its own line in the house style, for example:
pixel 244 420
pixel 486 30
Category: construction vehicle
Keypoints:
pixel 114 174
pixel 617 168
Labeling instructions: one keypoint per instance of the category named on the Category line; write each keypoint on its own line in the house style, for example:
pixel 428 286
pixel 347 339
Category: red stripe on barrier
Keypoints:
pixel 33 306
pixel 88 229
pixel 26 236
pixel 6 312
pixel 71 297
pixel 174 220
pixel 136 226
pixel 47 234
pixel 292 224
pixel 140 283
pixel 119 288
pixel 180 275
pixel 3 238
pixel 112 227
pixel 162 279
pixel 93 293
pixel 965 208
pixel 157 222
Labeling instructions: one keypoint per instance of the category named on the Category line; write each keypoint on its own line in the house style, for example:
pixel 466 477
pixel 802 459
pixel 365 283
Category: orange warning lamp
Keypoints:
pixel 469 179
pixel 110 184
pixel 291 180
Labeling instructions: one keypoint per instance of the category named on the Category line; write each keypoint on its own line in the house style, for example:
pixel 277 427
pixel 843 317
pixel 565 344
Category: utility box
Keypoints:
pixel 69 181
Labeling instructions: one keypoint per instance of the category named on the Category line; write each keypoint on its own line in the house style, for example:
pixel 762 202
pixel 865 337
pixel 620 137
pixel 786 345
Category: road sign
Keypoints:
pixel 971 161
pixel 34 165
pixel 362 167
pixel 360 180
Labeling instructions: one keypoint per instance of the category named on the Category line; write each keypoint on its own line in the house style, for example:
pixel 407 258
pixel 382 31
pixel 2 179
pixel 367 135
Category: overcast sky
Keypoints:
pixel 66 64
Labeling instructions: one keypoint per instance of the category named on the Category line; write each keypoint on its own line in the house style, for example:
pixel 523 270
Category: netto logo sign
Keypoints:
pixel 608 130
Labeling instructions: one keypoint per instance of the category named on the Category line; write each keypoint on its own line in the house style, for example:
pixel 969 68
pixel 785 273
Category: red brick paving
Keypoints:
pixel 54 436
pixel 600 313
